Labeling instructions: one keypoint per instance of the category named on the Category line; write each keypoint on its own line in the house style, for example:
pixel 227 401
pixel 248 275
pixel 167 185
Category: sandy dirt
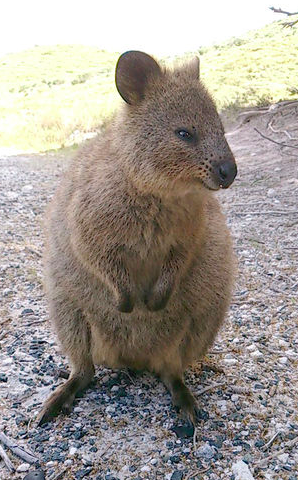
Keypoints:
pixel 124 426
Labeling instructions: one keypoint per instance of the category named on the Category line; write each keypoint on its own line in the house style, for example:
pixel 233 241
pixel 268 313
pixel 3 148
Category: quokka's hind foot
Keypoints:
pixel 63 397
pixel 182 397
pixel 184 401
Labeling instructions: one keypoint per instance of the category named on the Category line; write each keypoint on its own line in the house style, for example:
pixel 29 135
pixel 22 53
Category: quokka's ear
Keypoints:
pixel 133 72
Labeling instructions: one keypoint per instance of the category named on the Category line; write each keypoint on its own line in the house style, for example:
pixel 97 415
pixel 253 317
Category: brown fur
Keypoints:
pixel 139 263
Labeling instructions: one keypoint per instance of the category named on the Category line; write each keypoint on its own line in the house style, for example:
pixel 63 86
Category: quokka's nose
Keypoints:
pixel 226 171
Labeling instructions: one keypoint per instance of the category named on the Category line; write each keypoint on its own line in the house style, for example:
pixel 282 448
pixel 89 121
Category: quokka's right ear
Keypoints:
pixel 133 72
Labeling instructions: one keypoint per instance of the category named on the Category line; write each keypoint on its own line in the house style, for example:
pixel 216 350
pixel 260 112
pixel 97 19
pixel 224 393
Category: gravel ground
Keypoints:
pixel 124 427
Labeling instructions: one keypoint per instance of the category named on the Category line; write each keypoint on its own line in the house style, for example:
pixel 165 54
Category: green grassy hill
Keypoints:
pixel 51 96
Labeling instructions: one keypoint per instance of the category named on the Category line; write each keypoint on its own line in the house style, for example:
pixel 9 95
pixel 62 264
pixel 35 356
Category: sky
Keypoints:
pixel 155 26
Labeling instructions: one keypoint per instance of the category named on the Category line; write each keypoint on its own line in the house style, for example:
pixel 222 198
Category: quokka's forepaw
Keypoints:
pixel 157 299
pixel 125 303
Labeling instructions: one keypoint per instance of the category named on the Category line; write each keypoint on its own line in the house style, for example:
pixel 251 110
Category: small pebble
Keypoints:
pixel 283 457
pixel 146 468
pixel 177 475
pixel 24 467
pixel 271 192
pixel 3 377
pixel 241 471
pixel 205 452
pixel 230 361
pixel 72 451
pixel 27 188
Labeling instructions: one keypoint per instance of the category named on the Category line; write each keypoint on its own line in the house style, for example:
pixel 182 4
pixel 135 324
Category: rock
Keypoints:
pixel 3 377
pixel 146 468
pixel 241 471
pixel 24 467
pixel 283 360
pixel 283 457
pixel 206 452
pixel 271 192
pixel 184 431
pixel 27 188
pixel 230 361
pixel 12 196
pixel 27 311
pixel 177 475
pixel 35 475
pixel 72 451
pixel 256 354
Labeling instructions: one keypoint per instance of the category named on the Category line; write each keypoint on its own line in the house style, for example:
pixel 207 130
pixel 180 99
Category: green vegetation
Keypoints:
pixel 51 96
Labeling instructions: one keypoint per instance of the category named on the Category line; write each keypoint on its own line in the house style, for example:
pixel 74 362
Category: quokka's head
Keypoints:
pixel 170 129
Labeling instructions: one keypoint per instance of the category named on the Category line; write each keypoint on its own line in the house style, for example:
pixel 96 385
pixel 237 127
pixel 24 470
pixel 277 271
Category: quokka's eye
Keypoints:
pixel 184 135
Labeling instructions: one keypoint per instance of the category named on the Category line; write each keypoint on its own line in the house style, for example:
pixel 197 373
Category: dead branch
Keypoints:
pixel 6 460
pixel 284 12
pixel 210 387
pixel 287 446
pixel 274 141
pixel 281 131
pixel 279 10
pixel 16 450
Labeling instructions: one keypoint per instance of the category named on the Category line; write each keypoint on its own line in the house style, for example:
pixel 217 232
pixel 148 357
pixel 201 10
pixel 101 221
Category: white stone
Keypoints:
pixel 24 467
pixel 283 457
pixel 78 410
pixel 256 354
pixel 251 347
pixel 105 379
pixel 222 405
pixel 205 451
pixel 235 398
pixel 241 471
pixel 283 360
pixel 115 388
pixel 146 468
pixel 72 451
pixel 291 353
pixel 230 361
pixel 27 188
pixel 110 409
pixel 11 195
pixel 271 192
pixel 153 461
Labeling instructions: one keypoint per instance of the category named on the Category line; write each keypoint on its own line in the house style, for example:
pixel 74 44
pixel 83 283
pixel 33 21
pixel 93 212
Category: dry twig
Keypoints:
pixel 211 387
pixel 19 451
pixel 268 444
pixel 6 460
pixel 289 14
pixel 288 445
pixel 274 141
